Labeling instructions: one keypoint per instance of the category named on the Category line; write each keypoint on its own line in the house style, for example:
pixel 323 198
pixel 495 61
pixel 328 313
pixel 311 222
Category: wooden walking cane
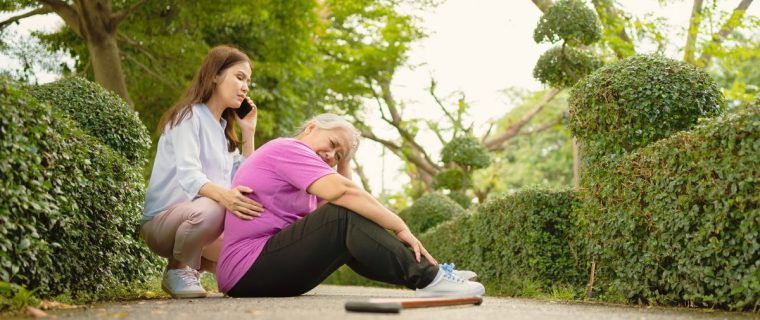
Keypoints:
pixel 395 305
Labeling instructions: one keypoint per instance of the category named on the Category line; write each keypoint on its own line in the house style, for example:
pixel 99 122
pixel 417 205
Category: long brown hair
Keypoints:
pixel 216 62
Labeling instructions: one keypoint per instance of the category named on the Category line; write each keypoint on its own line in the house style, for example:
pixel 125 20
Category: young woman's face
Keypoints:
pixel 332 145
pixel 232 84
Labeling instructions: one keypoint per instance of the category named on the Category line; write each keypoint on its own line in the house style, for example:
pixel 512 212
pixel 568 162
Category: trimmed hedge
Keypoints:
pixel 678 222
pixel 101 113
pixel 639 100
pixel 69 205
pixel 518 244
pixel 466 151
pixel 562 68
pixel 429 211
pixel 568 20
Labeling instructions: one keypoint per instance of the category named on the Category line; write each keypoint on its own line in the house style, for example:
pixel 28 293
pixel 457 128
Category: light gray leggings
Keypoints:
pixel 188 232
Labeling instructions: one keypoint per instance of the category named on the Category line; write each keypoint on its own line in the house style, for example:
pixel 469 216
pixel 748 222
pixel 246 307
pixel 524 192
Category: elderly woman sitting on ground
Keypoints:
pixel 297 242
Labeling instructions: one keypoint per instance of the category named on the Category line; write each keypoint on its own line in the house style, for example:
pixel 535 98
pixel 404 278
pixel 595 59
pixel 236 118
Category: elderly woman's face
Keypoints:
pixel 332 145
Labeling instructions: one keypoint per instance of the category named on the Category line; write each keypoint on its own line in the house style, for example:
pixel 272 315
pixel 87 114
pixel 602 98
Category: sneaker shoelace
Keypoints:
pixel 448 272
pixel 189 278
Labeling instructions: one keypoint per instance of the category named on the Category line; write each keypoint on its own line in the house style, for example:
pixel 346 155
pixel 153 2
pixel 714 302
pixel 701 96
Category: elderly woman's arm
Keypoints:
pixel 341 191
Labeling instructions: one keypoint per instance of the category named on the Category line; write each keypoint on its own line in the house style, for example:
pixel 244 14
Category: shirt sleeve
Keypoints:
pixel 299 165
pixel 237 160
pixel 186 141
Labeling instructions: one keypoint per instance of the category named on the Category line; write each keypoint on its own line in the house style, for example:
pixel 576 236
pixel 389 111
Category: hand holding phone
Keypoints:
pixel 244 109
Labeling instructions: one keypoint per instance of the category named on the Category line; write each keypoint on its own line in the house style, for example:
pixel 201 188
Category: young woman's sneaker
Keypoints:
pixel 448 284
pixel 182 283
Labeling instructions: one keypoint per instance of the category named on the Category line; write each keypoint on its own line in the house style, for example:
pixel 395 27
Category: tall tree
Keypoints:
pixel 96 22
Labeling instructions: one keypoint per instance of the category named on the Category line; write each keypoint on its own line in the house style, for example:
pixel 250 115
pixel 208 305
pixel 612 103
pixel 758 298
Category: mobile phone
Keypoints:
pixel 244 109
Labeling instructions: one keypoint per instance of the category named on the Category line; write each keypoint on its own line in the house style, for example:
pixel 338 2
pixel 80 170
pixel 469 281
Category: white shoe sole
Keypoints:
pixel 186 295
pixel 426 294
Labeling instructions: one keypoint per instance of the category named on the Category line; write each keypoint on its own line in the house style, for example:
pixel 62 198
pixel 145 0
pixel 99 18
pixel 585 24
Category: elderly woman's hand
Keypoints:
pixel 409 239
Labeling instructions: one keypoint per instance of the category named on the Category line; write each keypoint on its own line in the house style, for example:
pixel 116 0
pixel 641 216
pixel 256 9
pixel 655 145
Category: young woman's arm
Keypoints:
pixel 341 191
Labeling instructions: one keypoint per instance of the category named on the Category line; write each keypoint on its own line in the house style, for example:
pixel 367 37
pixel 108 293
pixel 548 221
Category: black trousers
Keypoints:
pixel 299 257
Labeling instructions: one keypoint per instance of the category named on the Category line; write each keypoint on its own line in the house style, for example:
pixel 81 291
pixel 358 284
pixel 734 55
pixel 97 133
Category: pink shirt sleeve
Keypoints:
pixel 300 166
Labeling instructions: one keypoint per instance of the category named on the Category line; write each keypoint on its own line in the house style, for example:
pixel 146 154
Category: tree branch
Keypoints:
pixel 69 15
pixel 613 24
pixel 691 39
pixel 543 5
pixel 495 143
pixel 362 176
pixel 119 16
pixel 440 104
pixel 38 11
pixel 726 29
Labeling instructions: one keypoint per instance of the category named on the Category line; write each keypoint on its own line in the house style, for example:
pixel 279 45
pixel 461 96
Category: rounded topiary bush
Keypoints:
pixel 563 67
pixel 101 113
pixel 639 100
pixel 452 179
pixel 568 20
pixel 466 151
pixel 429 211
pixel 69 205
pixel 461 198
pixel 678 221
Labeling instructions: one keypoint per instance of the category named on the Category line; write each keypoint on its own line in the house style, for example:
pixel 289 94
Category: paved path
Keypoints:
pixel 326 303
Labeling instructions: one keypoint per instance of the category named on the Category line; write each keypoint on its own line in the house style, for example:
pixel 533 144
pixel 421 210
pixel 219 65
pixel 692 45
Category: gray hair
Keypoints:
pixel 328 121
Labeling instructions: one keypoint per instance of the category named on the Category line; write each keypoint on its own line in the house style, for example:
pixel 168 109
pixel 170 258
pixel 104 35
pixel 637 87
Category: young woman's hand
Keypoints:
pixel 249 121
pixel 408 238
pixel 243 207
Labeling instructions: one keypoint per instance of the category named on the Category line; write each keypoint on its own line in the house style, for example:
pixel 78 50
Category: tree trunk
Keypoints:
pixel 691 39
pixel 106 65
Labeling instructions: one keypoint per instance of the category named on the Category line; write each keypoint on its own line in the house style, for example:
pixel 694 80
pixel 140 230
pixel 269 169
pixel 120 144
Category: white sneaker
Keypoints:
pixel 464 274
pixel 182 283
pixel 467 275
pixel 448 284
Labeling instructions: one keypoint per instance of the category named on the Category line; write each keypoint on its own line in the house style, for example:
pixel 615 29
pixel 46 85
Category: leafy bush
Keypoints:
pixel 678 222
pixel 100 113
pixel 516 243
pixel 466 151
pixel 429 211
pixel 639 100
pixel 460 198
pixel 563 67
pixel 69 205
pixel 452 179
pixel 568 20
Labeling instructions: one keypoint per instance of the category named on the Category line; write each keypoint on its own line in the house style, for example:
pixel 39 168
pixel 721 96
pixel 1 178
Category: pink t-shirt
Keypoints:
pixel 279 173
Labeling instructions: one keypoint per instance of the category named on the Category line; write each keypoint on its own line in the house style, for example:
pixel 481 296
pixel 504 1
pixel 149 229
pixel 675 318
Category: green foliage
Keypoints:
pixel 101 113
pixel 518 244
pixel 452 179
pixel 676 222
pixel 15 298
pixel 639 100
pixel 69 205
pixel 429 211
pixel 562 67
pixel 466 151
pixel 568 20
pixel 460 198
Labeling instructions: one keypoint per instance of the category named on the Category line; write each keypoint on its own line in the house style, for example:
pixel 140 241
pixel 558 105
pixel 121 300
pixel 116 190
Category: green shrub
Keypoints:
pixel 518 244
pixel 429 211
pixel 460 198
pixel 678 221
pixel 452 179
pixel 466 151
pixel 568 20
pixel 69 205
pixel 101 113
pixel 639 100
pixel 563 67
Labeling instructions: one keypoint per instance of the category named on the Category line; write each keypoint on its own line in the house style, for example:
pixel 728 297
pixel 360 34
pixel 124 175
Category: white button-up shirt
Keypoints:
pixel 189 155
